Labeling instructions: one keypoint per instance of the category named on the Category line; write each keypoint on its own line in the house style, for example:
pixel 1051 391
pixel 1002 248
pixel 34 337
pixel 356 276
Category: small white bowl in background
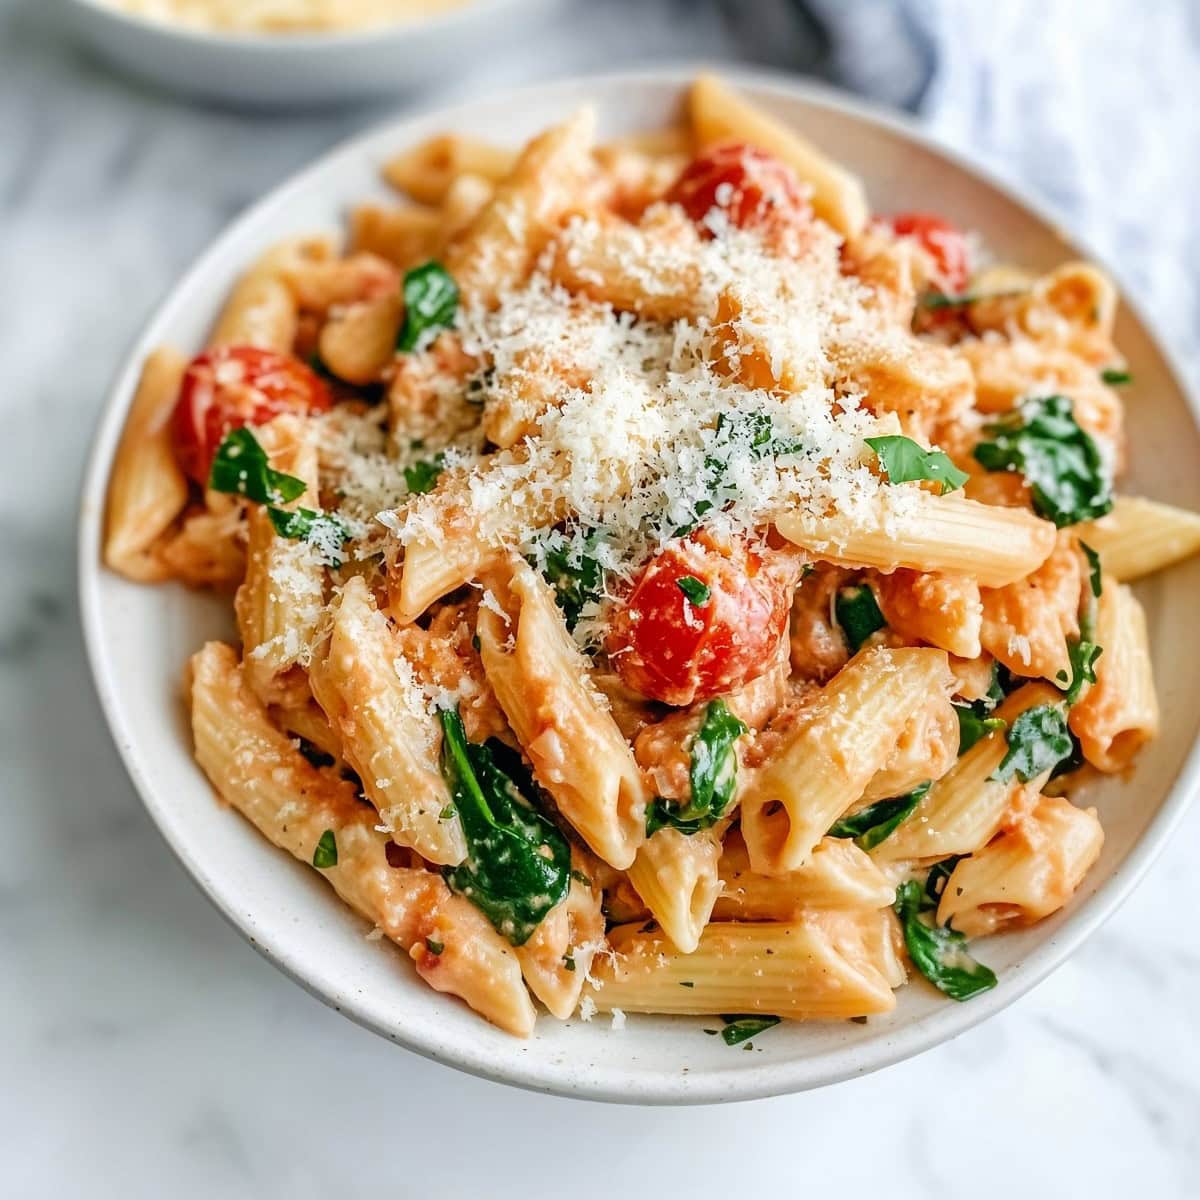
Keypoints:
pixel 303 70
pixel 139 638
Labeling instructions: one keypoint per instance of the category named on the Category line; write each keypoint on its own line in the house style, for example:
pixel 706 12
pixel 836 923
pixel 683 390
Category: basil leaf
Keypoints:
pixel 325 854
pixel 740 1027
pixel 1114 376
pixel 938 952
pixel 518 864
pixel 858 614
pixel 241 468
pixel 972 726
pixel 1095 576
pixel 1083 655
pixel 904 460
pixel 1038 741
pixel 1060 461
pixel 713 776
pixel 430 304
pixel 434 946
pixel 320 529
pixel 1072 762
pixel 877 822
pixel 576 575
pixel 698 592
pixel 422 476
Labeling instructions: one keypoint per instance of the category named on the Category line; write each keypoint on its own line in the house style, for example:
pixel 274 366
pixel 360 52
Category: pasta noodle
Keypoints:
pixel 661 586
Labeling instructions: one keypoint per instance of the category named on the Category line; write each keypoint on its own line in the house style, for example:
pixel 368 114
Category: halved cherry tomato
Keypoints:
pixel 233 386
pixel 701 620
pixel 945 244
pixel 752 188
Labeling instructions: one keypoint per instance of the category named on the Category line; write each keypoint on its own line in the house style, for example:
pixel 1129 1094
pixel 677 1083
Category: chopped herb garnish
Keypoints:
pixel 1083 655
pixel 877 822
pixel 937 951
pixel 576 575
pixel 1038 741
pixel 973 725
pixel 325 855
pixel 698 592
pixel 434 946
pixel 569 962
pixel 858 614
pixel 430 304
pixel 580 877
pixel 422 476
pixel 518 864
pixel 1060 461
pixel 713 776
pixel 447 813
pixel 320 529
pixel 241 468
pixel 686 983
pixel 740 1027
pixel 1095 576
pixel 904 461
pixel 1115 376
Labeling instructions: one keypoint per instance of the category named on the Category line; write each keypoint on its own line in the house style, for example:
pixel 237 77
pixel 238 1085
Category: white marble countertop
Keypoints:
pixel 149 1052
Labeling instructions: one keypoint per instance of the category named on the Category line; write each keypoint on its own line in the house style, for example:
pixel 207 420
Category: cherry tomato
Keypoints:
pixel 942 242
pixel 234 386
pixel 751 187
pixel 701 620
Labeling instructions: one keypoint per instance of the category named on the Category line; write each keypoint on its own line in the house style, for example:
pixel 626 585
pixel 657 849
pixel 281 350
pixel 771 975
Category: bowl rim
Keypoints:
pixel 798 1073
pixel 267 43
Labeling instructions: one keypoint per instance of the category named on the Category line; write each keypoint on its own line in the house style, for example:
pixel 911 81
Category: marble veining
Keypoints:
pixel 149 1052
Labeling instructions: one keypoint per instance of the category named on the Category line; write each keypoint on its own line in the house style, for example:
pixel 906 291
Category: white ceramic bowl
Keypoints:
pixel 138 638
pixel 300 69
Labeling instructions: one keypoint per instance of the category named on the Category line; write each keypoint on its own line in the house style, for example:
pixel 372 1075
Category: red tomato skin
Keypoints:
pixel 668 649
pixel 753 189
pixel 943 242
pixel 232 386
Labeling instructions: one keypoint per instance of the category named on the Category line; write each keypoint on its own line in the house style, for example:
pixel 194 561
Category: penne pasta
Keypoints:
pixel 824 966
pixel 826 763
pixel 932 534
pixel 254 768
pixel 1142 536
pixel 577 751
pixel 377 709
pixel 147 490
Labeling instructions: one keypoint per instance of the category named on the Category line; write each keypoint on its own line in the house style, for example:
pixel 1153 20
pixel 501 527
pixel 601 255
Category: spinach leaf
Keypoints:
pixel 422 476
pixel 518 864
pixel 938 952
pixel 713 776
pixel 320 529
pixel 1037 741
pixel 904 460
pixel 740 1027
pixel 973 725
pixel 1095 576
pixel 935 881
pixel 430 304
pixel 1114 376
pixel 698 592
pixel 1059 460
pixel 576 575
pixel 858 614
pixel 241 468
pixel 877 822
pixel 1083 655
pixel 325 854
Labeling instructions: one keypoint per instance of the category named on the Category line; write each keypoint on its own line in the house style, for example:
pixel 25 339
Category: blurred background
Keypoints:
pixel 149 1052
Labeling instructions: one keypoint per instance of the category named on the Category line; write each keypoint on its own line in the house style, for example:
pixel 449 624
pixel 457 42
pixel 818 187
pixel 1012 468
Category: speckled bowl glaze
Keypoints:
pixel 139 637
